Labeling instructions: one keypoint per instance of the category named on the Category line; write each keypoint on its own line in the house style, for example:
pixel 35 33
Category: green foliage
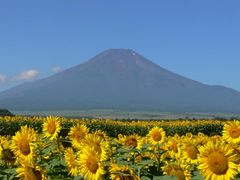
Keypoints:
pixel 10 128
pixel 145 162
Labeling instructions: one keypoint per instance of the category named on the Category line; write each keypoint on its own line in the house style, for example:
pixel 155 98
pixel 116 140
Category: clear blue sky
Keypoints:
pixel 197 39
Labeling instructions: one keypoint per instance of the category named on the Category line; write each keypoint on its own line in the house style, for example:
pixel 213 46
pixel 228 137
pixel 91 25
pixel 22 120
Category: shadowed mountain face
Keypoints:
pixel 120 79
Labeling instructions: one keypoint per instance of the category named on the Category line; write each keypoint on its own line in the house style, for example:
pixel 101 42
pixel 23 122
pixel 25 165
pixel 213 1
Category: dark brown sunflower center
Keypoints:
pixel 179 174
pixel 234 132
pixel 51 128
pixel 33 174
pixel 218 163
pixel 24 146
pixel 8 155
pixel 174 147
pixel 131 142
pixel 92 164
pixel 192 152
pixel 127 176
pixel 79 135
pixel 157 136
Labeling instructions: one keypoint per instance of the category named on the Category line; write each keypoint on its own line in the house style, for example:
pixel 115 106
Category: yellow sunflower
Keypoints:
pixel 120 136
pixel 215 138
pixel 131 141
pixel 180 170
pixel 30 173
pixel 156 135
pixel 6 153
pixel 190 152
pixel 231 132
pixel 189 135
pixel 119 172
pixel 77 134
pixel 72 162
pixel 172 147
pixel 217 161
pixel 139 157
pixel 97 143
pixel 201 139
pixel 90 164
pixel 236 151
pixel 102 135
pixel 24 144
pixel 51 127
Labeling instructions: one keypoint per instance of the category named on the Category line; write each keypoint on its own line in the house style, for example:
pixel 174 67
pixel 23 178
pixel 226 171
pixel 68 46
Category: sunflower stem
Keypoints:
pixel 158 158
pixel 139 171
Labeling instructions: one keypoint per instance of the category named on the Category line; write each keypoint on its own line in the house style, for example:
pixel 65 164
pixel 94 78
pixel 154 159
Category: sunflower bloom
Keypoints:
pixel 77 134
pixel 177 169
pixel 90 164
pixel 118 172
pixel 30 173
pixel 24 144
pixel 217 161
pixel 201 139
pixel 97 143
pixel 172 147
pixel 190 152
pixel 102 135
pixel 131 141
pixel 6 153
pixel 231 132
pixel 215 139
pixel 71 160
pixel 51 127
pixel 156 135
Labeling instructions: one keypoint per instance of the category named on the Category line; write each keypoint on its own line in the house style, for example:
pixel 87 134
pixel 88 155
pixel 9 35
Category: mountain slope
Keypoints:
pixel 120 79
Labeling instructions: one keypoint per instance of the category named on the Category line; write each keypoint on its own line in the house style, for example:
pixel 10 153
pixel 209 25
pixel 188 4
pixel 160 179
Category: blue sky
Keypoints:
pixel 197 39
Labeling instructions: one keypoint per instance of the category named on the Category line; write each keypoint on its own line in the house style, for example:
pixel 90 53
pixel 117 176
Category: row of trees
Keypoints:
pixel 5 112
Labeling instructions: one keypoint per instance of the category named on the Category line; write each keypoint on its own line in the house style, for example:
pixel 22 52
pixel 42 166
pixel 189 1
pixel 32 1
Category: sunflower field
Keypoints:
pixel 49 148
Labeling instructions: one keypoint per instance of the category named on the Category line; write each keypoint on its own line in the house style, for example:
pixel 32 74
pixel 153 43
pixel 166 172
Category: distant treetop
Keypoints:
pixel 5 112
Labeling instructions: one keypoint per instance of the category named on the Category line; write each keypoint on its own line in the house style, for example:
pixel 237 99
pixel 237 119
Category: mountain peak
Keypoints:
pixel 115 61
pixel 120 79
pixel 118 52
pixel 122 56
